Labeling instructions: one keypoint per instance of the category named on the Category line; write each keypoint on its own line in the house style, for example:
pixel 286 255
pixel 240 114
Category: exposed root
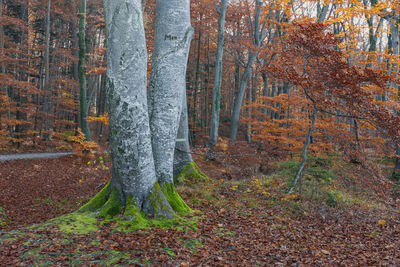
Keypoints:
pixel 190 172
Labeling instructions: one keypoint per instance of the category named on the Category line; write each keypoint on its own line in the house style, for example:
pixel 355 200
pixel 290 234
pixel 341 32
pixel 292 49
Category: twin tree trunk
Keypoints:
pixel 143 131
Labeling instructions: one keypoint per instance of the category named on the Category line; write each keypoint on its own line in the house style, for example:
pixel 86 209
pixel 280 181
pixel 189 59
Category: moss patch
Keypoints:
pixel 97 201
pixel 190 172
pixel 113 205
pixel 3 217
pixel 166 204
pixel 73 223
pixel 174 199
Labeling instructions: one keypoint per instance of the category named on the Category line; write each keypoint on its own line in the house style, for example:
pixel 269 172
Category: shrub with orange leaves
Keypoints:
pixel 101 118
pixel 81 145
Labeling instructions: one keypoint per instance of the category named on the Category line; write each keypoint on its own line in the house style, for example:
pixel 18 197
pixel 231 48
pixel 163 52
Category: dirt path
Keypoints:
pixel 45 155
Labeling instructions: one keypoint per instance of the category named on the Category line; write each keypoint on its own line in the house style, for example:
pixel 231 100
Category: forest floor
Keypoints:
pixel 346 214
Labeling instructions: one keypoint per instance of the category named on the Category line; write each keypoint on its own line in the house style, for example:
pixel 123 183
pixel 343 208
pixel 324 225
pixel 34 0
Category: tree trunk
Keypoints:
pixel 304 152
pixel 173 34
pixel 182 155
pixel 196 89
pixel 82 71
pixel 133 185
pixel 246 75
pixel 47 98
pixel 240 96
pixel 137 183
pixel 394 27
pixel 216 96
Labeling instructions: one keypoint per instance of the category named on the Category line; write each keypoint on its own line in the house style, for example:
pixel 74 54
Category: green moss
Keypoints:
pixel 132 215
pixel 11 236
pixel 73 223
pixel 3 217
pixel 174 199
pixel 159 203
pixel 190 172
pixel 164 202
pixel 113 206
pixel 97 201
pixel 32 253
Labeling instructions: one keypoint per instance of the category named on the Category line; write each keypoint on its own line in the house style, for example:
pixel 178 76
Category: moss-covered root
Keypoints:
pixel 174 199
pixel 107 203
pixel 157 204
pixel 190 172
pixel 162 202
pixel 97 201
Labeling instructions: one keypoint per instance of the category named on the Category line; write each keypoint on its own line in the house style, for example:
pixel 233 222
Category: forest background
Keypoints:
pixel 40 89
pixel 297 78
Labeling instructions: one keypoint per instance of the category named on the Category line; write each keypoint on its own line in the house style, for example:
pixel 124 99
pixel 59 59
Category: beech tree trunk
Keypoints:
pixel 182 155
pixel 304 157
pixel 142 177
pixel 130 141
pixel 394 27
pixel 246 75
pixel 216 97
pixel 82 71
pixel 47 99
pixel 173 34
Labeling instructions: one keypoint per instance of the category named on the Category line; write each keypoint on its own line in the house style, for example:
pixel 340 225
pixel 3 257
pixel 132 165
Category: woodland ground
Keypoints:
pixel 347 214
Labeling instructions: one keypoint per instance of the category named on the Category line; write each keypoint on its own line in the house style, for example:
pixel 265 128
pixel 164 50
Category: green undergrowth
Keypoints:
pixel 327 181
pixel 3 217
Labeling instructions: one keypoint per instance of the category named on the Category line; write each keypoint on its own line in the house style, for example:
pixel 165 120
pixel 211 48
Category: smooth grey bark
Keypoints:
pixel 196 88
pixel 3 67
pixel 323 13
pixel 173 34
pixel 47 103
pixel 239 99
pixel 2 37
pixel 394 29
pixel 216 96
pixel 82 72
pixel 130 139
pixel 246 75
pixel 182 155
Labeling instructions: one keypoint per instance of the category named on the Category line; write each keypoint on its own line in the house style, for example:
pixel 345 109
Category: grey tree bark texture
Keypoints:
pixel 47 103
pixel 394 27
pixel 182 155
pixel 82 71
pixel 142 176
pixel 216 97
pixel 133 166
pixel 173 34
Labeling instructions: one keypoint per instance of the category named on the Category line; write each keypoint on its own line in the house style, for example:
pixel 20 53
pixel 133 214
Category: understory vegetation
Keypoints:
pixel 339 211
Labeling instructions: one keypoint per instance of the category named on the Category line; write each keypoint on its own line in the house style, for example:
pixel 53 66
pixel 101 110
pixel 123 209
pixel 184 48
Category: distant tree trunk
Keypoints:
pixel 266 92
pixel 246 75
pixel 216 96
pixel 21 96
pixel 168 81
pixel 2 37
pixel 82 72
pixel 394 27
pixel 304 157
pixel 196 89
pixel 47 98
